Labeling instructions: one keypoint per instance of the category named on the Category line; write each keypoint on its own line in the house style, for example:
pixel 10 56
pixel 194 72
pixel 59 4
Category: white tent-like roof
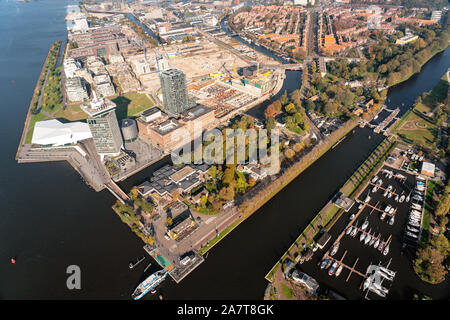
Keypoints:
pixel 56 133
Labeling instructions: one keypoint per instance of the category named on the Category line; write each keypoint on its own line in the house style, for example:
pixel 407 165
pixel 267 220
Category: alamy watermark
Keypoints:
pixel 74 280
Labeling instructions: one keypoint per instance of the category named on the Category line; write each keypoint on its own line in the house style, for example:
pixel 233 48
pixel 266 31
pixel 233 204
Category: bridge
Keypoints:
pixel 292 66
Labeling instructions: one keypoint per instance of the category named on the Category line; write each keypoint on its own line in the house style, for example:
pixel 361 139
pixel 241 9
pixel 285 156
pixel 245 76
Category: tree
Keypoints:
pixel 289 153
pixel 290 108
pixel 314 67
pixel 270 123
pixel 169 221
pixel 284 98
pixel 226 193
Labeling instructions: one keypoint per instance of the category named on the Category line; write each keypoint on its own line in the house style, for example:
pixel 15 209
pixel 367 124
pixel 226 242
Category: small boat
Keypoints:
pixel 389 195
pixel 407 198
pixel 412 235
pixel 412 229
pixel 392 210
pixel 324 263
pixel 367 199
pixel 367 283
pixel 387 208
pixel 386 250
pixel 374 179
pixel 389 273
pixel 362 236
pixel 383 215
pixel 349 230
pixel 352 216
pixel 354 231
pixel 372 240
pixel 374 189
pixel 360 205
pixel 396 197
pixel 402 198
pixel 377 242
pixel 329 262
pixel 334 249
pixel 414 224
pixel 364 225
pixel 391 220
pixel 380 246
pixel 332 270
pixel 379 182
pixel 339 270
pixel 367 239
pixel 385 193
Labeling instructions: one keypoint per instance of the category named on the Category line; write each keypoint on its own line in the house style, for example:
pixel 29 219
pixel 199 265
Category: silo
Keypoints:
pixel 129 130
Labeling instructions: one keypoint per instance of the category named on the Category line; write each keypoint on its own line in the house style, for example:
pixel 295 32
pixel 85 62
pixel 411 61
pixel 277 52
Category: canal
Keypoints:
pixel 51 219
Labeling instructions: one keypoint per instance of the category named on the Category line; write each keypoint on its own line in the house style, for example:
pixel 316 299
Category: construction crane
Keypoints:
pixel 260 60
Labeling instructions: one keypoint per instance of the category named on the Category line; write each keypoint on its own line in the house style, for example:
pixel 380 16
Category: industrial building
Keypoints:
pixel 168 134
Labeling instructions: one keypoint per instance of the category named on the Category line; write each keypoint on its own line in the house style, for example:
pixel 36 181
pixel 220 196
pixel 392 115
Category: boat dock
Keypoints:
pixel 175 269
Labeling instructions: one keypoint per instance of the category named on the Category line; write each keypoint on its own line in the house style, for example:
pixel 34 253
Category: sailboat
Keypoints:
pixel 334 249
pixel 407 198
pixel 362 236
pixel 339 270
pixel 364 225
pixel 377 242
pixel 386 250
pixel 391 220
pixel 368 238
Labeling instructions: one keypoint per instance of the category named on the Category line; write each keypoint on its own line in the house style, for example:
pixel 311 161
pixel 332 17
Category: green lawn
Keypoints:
pixel 417 129
pixel 33 120
pixel 131 104
pixel 71 113
pixel 287 291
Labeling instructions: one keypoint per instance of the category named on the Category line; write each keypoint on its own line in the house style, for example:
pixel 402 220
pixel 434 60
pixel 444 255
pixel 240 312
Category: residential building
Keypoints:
pixel 76 89
pixel 103 85
pixel 70 66
pixel 174 91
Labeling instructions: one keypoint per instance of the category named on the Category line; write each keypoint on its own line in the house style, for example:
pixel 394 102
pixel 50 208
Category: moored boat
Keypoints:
pixel 149 284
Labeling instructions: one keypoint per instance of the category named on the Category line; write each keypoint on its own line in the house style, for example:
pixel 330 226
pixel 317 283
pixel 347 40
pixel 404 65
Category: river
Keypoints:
pixel 51 219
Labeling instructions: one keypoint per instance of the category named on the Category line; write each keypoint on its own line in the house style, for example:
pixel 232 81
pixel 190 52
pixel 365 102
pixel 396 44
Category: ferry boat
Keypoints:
pixel 148 284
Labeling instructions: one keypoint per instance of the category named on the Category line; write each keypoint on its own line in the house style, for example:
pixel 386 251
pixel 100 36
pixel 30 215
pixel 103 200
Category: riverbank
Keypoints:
pixel 420 68
pixel 35 98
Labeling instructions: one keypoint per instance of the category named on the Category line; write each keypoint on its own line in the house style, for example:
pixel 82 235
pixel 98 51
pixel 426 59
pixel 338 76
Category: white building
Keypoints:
pixel 70 66
pixel 103 85
pixel 76 89
pixel 140 66
pixel 55 133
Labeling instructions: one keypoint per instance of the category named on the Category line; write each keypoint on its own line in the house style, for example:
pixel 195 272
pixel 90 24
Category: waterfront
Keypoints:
pixel 51 219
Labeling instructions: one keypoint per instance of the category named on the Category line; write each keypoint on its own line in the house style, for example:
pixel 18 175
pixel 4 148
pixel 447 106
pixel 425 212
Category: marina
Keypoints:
pixel 377 230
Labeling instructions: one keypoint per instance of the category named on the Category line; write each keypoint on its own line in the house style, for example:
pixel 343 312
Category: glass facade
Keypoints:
pixel 173 87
